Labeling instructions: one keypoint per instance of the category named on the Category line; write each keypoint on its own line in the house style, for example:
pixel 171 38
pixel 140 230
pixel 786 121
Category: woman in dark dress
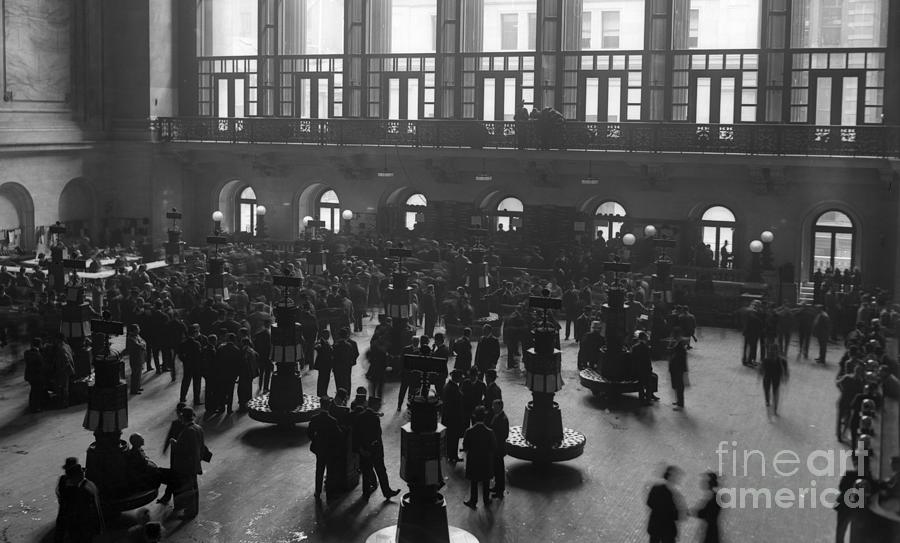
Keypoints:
pixel 709 510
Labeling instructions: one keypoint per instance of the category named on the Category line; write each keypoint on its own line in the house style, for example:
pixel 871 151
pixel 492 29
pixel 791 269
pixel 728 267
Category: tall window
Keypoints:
pixel 509 31
pixel 506 25
pixel 604 24
pixel 718 231
pixel 509 215
pixel 415 210
pixel 720 24
pixel 312 27
pixel 586 30
pixel 227 27
pixel 247 211
pixel 402 26
pixel 608 219
pixel 610 29
pixel 694 29
pixel 330 211
pixel 833 242
pixel 839 23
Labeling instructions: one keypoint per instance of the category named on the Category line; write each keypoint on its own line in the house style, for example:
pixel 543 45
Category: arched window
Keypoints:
pixel 509 215
pixel 607 219
pixel 718 231
pixel 833 242
pixel 415 210
pixel 246 205
pixel 330 210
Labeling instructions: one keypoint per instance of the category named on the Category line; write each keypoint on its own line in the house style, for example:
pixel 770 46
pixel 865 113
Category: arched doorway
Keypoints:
pixel 76 208
pixel 718 224
pixel 509 215
pixel 608 219
pixel 414 210
pixel 328 208
pixel 832 245
pixel 16 217
pixel 246 206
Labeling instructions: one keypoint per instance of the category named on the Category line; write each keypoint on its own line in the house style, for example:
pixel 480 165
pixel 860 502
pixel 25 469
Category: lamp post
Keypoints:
pixel 285 404
pixel 347 215
pixel 75 322
pixel 767 237
pixel 215 266
pixel 260 222
pixel 397 304
pixel 662 279
pixel 756 247
pixel 174 245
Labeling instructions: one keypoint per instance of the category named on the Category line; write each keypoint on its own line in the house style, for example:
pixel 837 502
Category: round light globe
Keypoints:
pixel 347 214
pixel 218 216
pixel 649 230
pixel 261 211
pixel 767 237
pixel 628 240
pixel 306 220
pixel 756 246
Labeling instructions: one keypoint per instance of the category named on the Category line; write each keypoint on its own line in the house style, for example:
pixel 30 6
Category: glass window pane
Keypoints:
pixel 509 98
pixel 703 97
pixel 223 97
pixel 849 99
pixel 505 25
pixel 591 98
pixel 410 220
pixel 413 26
pixel 248 194
pixel 614 100
pixel 417 200
pixel 834 219
pixel 228 27
pixel 709 236
pixel 823 100
pixel 726 101
pixel 246 217
pixel 325 216
pixel 489 92
pixel 510 204
pixel 305 98
pixel 721 24
pixel 606 24
pixel 822 251
pixel 329 197
pixel 718 213
pixel 843 251
pixel 412 99
pixel 393 98
pixel 324 27
pixel 239 98
pixel 610 208
pixel 839 23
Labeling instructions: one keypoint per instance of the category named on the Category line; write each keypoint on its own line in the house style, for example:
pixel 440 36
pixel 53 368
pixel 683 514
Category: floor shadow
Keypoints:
pixel 625 403
pixel 544 478
pixel 271 437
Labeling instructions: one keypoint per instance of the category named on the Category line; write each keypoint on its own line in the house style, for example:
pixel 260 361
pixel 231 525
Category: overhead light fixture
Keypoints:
pixel 590 179
pixel 484 175
pixel 385 173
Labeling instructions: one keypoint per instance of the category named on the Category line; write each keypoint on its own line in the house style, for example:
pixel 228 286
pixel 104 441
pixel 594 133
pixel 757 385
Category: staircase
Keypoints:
pixel 806 292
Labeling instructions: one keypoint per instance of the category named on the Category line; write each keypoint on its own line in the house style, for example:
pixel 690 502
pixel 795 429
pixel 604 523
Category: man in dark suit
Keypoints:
pixel 428 307
pixel 344 355
pixel 514 329
pixel 452 415
pixel 643 367
pixel 487 352
pixel 500 427
pixel 583 323
pixel 440 349
pixel 462 348
pixel 367 443
pixel 589 346
pixel 480 446
pixel 491 390
pixel 229 360
pixel 324 441
pixel 189 351
pixel 678 368
pixel 262 344
pixel 665 506
pixel 188 449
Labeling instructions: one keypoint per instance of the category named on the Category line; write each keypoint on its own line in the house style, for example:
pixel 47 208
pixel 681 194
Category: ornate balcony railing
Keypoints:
pixel 654 137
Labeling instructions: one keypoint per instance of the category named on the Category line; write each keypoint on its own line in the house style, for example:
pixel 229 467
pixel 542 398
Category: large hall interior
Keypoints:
pixel 423 271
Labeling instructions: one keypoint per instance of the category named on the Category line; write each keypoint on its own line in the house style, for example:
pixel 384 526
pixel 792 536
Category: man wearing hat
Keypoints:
pixel 189 351
pixel 35 370
pixel 79 516
pixel 678 367
pixel 583 323
pixel 589 346
pixel 487 351
pixel 188 449
pixel 452 415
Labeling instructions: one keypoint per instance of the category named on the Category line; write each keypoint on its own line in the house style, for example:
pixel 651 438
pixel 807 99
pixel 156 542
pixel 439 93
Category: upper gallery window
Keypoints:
pixel 312 27
pixel 402 26
pixel 506 25
pixel 716 24
pixel 839 23
pixel 228 27
pixel 604 24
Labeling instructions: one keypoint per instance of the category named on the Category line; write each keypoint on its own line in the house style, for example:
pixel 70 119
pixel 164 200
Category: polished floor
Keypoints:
pixel 259 486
